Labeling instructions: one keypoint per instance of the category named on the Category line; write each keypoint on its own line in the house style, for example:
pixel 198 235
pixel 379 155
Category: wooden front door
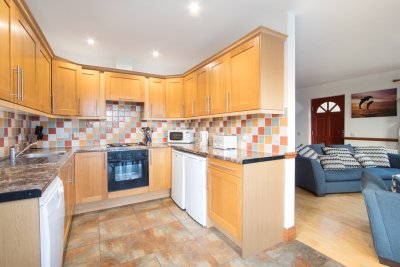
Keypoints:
pixel 327 120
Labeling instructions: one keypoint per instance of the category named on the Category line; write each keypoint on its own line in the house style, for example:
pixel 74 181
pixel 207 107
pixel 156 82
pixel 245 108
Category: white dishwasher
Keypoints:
pixel 196 187
pixel 178 178
pixel 52 212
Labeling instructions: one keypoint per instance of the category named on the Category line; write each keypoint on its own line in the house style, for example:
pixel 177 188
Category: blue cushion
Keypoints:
pixel 384 173
pixel 343 175
pixel 318 148
pixel 348 146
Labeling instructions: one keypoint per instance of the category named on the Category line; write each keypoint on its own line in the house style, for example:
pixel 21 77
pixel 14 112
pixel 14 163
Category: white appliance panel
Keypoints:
pixel 178 178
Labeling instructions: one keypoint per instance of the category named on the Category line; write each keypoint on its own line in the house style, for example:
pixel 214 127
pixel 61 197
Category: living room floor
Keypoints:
pixel 336 225
pixel 158 233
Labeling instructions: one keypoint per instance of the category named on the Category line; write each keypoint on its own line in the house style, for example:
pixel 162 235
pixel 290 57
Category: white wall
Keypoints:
pixel 380 127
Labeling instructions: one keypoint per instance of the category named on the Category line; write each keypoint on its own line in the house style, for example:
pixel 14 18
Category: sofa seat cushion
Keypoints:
pixel 343 175
pixel 384 173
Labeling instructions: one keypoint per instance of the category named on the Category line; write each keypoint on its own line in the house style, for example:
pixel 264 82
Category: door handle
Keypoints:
pixel 227 101
pixel 17 70
pixel 219 166
pixel 97 108
pixel 22 84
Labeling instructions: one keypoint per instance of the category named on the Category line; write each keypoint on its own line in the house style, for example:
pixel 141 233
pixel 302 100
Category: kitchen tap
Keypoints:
pixel 13 153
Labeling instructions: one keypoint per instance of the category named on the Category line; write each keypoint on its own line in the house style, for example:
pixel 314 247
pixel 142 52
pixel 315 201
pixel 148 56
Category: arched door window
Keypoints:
pixel 328 107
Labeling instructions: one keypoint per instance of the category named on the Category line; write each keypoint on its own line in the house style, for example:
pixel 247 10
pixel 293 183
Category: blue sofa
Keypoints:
pixel 311 176
pixel 383 209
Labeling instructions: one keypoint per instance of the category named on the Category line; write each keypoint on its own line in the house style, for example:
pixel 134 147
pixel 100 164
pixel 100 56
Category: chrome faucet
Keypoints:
pixel 13 152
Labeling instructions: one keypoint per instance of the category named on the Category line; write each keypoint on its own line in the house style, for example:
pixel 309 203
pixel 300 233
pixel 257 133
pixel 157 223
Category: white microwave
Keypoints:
pixel 181 136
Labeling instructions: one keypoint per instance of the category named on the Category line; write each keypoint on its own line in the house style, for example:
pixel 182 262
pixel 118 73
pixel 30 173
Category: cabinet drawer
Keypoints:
pixel 226 166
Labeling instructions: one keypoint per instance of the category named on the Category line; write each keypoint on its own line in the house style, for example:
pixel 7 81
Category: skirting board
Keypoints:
pixel 116 202
pixel 289 234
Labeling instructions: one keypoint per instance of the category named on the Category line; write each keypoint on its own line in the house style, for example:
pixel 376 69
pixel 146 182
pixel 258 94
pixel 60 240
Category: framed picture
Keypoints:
pixel 380 103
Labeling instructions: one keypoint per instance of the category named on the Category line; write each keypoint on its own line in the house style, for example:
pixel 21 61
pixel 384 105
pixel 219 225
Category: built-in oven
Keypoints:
pixel 127 169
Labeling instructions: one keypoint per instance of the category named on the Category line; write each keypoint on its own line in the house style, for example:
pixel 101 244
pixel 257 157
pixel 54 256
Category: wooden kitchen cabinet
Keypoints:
pixel 68 179
pixel 218 85
pixel 160 169
pixel 24 46
pixel 175 98
pixel 43 80
pixel 90 177
pixel 201 99
pixel 64 88
pixel 124 87
pixel 5 52
pixel 189 88
pixel 156 102
pixel 225 196
pixel 88 93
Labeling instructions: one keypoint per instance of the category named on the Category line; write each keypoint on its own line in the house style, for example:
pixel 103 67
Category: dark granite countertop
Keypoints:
pixel 234 155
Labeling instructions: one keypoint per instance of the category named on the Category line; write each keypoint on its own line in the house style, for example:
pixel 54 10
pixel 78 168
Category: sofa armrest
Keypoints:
pixel 310 175
pixel 394 160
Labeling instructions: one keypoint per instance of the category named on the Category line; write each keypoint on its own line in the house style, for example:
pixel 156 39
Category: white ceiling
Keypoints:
pixel 335 39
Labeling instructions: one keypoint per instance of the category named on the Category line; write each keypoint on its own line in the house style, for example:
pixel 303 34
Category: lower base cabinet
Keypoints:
pixel 160 165
pixel 67 177
pixel 90 177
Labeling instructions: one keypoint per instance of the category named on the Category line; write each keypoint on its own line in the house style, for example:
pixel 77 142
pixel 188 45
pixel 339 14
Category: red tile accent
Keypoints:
pixel 60 124
pixel 238 130
pixel 68 143
pixel 268 122
pixel 52 130
pixel 261 130
pixel 1 142
pixel 5 132
pixel 103 136
pixel 255 139
pixel 133 130
pixel 275 149
pixel 283 141
pixel 243 123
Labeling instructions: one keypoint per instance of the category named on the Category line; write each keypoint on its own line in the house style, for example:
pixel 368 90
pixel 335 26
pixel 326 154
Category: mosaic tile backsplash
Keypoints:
pixel 14 130
pixel 264 133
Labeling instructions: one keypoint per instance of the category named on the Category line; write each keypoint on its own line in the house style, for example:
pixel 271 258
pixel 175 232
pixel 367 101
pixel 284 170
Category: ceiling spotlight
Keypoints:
pixel 90 41
pixel 194 8
pixel 155 53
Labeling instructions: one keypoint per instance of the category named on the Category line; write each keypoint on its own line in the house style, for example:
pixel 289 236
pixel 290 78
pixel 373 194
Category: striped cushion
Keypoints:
pixel 345 156
pixel 396 183
pixel 365 161
pixel 331 163
pixel 377 153
pixel 306 151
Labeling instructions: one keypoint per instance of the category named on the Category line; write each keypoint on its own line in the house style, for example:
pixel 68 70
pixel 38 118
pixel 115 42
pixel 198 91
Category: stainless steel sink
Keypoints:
pixel 44 154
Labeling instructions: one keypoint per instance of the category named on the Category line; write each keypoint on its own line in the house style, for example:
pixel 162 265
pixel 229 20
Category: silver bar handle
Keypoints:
pixel 17 70
pixel 22 84
pixel 79 106
pixel 97 107
pixel 52 103
pixel 219 166
pixel 227 101
pixel 181 110
pixel 205 104
pixel 209 104
pixel 150 156
pixel 193 106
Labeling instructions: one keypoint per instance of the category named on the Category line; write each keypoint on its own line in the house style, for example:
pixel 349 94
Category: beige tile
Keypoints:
pixel 194 227
pixel 119 227
pixel 84 231
pixel 178 212
pixel 156 217
pixel 167 202
pixel 148 206
pixel 217 248
pixel 124 249
pixel 146 261
pixel 83 256
pixel 115 213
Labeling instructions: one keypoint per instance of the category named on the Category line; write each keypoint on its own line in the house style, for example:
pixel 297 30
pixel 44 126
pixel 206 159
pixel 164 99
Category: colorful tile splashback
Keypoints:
pixel 267 133
pixel 14 129
pixel 260 132
pixel 123 125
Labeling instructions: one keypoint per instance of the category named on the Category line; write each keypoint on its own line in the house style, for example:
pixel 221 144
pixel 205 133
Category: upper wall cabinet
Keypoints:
pixel 43 80
pixel 156 98
pixel 218 86
pixel 189 88
pixel 64 88
pixel 24 46
pixel 201 98
pixel 5 62
pixel 124 87
pixel 175 98
pixel 88 93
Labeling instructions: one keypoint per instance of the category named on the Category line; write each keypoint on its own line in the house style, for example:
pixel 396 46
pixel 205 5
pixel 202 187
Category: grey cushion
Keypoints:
pixel 331 162
pixel 348 146
pixel 317 148
pixel 365 161
pixel 345 156
pixel 377 153
pixel 306 151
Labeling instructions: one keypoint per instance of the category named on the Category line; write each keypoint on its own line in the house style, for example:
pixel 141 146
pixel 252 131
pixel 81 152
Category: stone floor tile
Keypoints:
pixel 148 206
pixel 115 213
pixel 119 227
pixel 155 217
pixel 178 212
pixel 85 218
pixel 217 248
pixel 146 261
pixel 83 256
pixel 84 231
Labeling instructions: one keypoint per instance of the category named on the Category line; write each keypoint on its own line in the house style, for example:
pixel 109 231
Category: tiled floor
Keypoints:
pixel 158 233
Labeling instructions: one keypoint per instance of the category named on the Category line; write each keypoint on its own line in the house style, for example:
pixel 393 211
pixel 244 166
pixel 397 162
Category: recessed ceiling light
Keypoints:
pixel 194 8
pixel 155 53
pixel 90 41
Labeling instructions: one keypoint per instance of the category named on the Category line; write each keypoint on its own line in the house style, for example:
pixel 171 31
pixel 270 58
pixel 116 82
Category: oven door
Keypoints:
pixel 127 173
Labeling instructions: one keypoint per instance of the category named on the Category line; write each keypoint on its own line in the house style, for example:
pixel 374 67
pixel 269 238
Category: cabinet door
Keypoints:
pixel 174 98
pixel 90 177
pixel 189 86
pixel 43 81
pixel 201 97
pixel 5 62
pixel 23 51
pixel 225 201
pixel 160 169
pixel 157 98
pixel 243 80
pixel 88 93
pixel 67 176
pixel 124 87
pixel 64 88
pixel 218 90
